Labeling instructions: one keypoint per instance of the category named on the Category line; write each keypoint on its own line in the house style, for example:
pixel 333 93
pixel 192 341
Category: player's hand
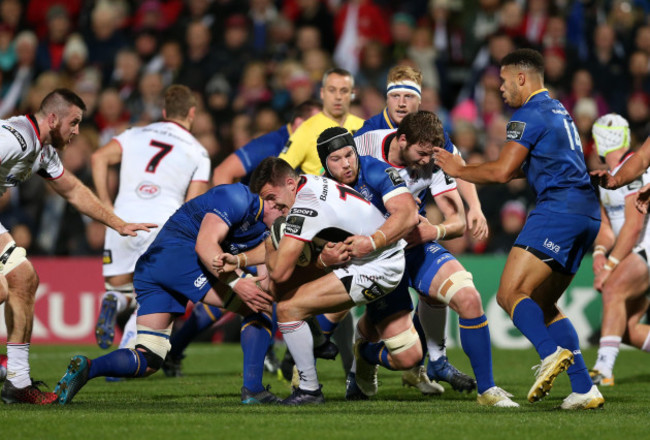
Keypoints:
pixel 418 234
pixel 643 199
pixel 224 263
pixel 600 279
pixel 604 179
pixel 598 264
pixel 131 228
pixel 359 245
pixel 335 254
pixel 477 224
pixel 451 164
pixel 256 299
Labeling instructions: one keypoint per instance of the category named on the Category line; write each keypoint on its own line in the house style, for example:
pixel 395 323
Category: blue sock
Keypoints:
pixel 202 317
pixel 326 326
pixel 529 319
pixel 124 362
pixel 376 353
pixel 564 334
pixel 255 339
pixel 475 339
pixel 274 324
pixel 423 338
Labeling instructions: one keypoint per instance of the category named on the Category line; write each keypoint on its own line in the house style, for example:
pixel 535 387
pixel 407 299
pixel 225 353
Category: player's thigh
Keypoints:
pixel 424 263
pixel 325 294
pixel 630 279
pixel 522 274
pixel 635 333
pixel 156 321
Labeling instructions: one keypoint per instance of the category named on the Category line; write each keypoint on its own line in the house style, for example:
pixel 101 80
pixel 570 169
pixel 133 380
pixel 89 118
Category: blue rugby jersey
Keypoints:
pixel 378 182
pixel 270 144
pixel 555 166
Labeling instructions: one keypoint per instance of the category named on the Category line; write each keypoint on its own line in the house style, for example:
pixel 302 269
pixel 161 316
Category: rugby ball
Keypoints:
pixel 277 232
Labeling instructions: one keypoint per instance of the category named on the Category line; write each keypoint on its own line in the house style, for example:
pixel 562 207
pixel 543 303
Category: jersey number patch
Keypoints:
pixel 345 190
pixel 155 160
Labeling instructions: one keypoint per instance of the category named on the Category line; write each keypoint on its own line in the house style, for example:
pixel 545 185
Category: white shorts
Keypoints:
pixel 121 253
pixel 374 279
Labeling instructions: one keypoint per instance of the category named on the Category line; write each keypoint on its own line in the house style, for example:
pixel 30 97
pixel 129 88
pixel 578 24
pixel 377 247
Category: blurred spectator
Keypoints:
pixel 262 13
pixel 373 70
pixel 606 63
pixel 280 47
pixel 315 13
pixel 372 102
pixel 74 58
pixel 7 52
pixel 38 13
pixel 535 20
pixel 88 85
pixel 22 75
pixel 512 219
pixel 638 73
pixel 147 105
pixel 642 40
pixel 431 102
pixel 585 113
pixel 307 38
pixel 168 63
pixel 236 52
pixel 316 62
pixel 556 76
pixel 12 14
pixel 480 23
pixel 582 86
pixel 49 54
pixel 464 136
pixel 623 19
pixel 401 30
pixel 511 22
pixel 157 14
pixel 253 90
pixel 105 39
pixel 146 43
pixel 112 117
pixel 422 52
pixel 126 73
pixel 198 63
pixel 638 115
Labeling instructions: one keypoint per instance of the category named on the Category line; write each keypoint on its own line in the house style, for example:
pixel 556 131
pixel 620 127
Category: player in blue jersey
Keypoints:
pixel 431 269
pixel 179 266
pixel 239 165
pixel 544 146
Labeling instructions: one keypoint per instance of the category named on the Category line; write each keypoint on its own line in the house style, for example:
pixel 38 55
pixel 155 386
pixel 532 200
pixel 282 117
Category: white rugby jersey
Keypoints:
pixel 325 210
pixel 376 143
pixel 22 154
pixel 159 161
pixel 614 202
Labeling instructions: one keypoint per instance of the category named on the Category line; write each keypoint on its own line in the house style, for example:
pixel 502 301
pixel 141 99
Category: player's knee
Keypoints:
pixel 467 303
pixel 405 349
pixel 287 311
pixel 154 344
pixel 4 289
pixel 452 285
pixel 11 257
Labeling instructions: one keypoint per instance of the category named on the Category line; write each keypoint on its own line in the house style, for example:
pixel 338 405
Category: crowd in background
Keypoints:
pixel 251 62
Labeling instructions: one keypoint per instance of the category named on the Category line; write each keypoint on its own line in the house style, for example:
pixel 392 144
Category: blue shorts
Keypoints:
pixel 396 301
pixel 165 279
pixel 565 238
pixel 423 263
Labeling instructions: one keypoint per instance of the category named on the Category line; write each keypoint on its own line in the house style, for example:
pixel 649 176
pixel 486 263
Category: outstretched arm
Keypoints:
pixel 228 171
pixel 109 154
pixel 631 169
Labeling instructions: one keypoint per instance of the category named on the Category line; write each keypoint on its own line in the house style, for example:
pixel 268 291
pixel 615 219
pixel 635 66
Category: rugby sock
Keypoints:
pixel 475 339
pixel 301 345
pixel 565 336
pixel 123 362
pixel 375 353
pixel 18 364
pixel 434 321
pixel 423 339
pixel 130 332
pixel 326 326
pixel 607 352
pixel 255 340
pixel 202 317
pixel 646 344
pixel 529 319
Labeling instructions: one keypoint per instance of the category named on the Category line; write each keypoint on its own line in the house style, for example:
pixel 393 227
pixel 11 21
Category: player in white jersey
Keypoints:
pixel 435 274
pixel 324 211
pixel 28 145
pixel 623 277
pixel 162 166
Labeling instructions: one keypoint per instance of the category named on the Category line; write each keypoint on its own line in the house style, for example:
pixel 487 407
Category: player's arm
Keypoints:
pixel 504 169
pixel 281 263
pixel 83 199
pixel 225 262
pixel 230 170
pixel 631 169
pixel 603 243
pixel 196 188
pixel 451 206
pixel 108 155
pixel 476 221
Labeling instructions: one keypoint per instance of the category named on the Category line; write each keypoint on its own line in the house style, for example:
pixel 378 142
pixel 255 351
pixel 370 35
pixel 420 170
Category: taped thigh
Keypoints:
pixel 11 256
pixel 125 289
pixel 453 284
pixel 402 342
pixel 155 341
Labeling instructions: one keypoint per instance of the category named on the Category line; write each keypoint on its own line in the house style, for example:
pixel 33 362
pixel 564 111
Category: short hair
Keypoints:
pixel 271 170
pixel 60 99
pixel 303 110
pixel 179 100
pixel 338 71
pixel 422 127
pixel 526 59
pixel 404 73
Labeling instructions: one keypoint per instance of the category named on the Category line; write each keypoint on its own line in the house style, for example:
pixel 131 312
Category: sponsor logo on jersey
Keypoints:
pixel 515 130
pixel 304 211
pixel 548 244
pixel 19 137
pixel 294 225
pixel 443 258
pixel 200 281
pixel 107 257
pixel 373 292
pixel 286 147
pixel 635 185
pixel 394 176
pixel 147 190
pixel 323 195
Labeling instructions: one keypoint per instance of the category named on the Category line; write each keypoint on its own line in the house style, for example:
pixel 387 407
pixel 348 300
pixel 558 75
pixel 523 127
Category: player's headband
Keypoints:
pixel 611 132
pixel 404 86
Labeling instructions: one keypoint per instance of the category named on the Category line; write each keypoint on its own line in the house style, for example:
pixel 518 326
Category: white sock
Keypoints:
pixel 434 323
pixel 130 332
pixel 646 344
pixel 18 365
pixel 300 343
pixel 609 346
pixel 122 301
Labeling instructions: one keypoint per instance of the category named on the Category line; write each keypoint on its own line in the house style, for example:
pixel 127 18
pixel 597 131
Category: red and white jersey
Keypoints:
pixel 376 143
pixel 159 161
pixel 22 154
pixel 614 202
pixel 325 210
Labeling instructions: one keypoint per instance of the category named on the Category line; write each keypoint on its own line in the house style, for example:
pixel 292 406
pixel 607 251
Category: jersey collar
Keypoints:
pixel 387 118
pixel 535 93
pixel 260 209
pixel 32 120
pixel 385 148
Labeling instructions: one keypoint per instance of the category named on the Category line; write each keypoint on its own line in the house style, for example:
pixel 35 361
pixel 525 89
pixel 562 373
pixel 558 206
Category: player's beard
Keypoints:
pixel 57 138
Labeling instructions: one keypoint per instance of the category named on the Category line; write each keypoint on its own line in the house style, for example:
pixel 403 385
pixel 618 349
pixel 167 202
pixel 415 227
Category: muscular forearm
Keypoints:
pixel 488 172
pixel 632 168
pixel 468 193
pixel 87 203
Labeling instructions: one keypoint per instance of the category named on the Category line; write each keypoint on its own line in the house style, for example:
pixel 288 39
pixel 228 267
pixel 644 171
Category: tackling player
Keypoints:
pixel 544 146
pixel 621 253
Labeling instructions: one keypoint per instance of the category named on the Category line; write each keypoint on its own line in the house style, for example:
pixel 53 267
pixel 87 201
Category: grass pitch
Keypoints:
pixel 205 404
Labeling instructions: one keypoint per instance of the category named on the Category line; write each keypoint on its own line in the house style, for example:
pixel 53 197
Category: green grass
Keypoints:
pixel 205 404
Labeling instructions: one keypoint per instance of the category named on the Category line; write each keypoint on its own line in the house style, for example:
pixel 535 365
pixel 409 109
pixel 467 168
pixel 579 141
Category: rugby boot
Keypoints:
pixel 442 370
pixel 263 397
pixel 304 397
pixel 30 394
pixel 547 371
pixel 73 380
pixel 105 327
